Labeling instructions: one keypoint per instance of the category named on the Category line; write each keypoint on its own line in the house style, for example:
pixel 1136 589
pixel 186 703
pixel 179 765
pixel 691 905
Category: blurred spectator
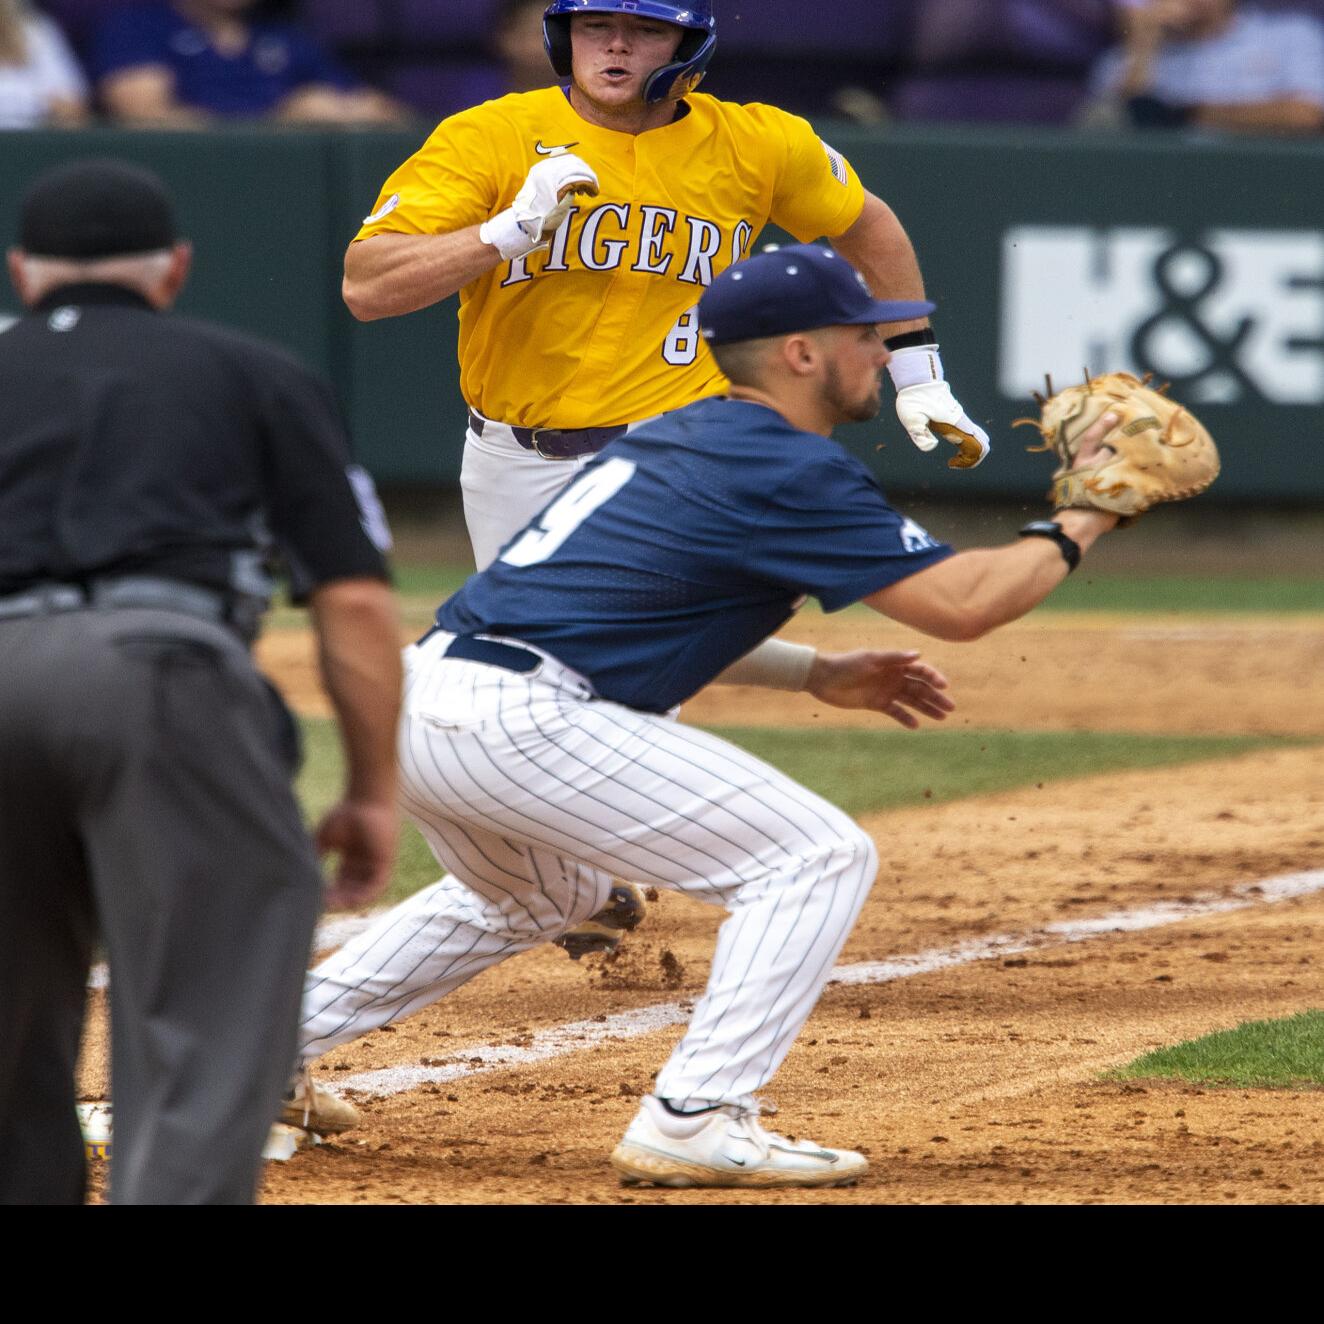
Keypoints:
pixel 1008 61
pixel 40 81
pixel 443 56
pixel 79 19
pixel 180 63
pixel 1215 64
pixel 517 40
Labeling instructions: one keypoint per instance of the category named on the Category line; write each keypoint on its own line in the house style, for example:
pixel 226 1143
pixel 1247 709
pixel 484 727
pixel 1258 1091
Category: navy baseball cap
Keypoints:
pixel 796 288
pixel 96 208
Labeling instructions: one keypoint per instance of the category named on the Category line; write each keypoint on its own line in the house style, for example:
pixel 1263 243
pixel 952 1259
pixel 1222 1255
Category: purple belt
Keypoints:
pixel 556 443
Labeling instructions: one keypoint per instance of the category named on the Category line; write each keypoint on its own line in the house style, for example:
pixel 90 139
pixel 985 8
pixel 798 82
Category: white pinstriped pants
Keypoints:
pixel 533 795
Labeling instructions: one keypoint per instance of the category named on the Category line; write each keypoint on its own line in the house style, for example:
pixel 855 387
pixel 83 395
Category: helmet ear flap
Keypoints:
pixel 686 71
pixel 556 41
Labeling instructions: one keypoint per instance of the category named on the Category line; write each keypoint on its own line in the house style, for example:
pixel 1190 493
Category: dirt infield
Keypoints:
pixel 978 1082
pixel 1050 672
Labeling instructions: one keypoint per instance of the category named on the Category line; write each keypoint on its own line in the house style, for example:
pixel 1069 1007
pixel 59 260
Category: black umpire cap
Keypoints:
pixel 96 208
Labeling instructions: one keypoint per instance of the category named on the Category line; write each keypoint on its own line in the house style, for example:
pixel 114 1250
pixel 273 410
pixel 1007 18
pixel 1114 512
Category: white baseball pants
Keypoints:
pixel 505 485
pixel 533 795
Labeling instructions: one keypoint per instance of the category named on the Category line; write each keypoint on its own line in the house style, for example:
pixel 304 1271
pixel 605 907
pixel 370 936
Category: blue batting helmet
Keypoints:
pixel 675 79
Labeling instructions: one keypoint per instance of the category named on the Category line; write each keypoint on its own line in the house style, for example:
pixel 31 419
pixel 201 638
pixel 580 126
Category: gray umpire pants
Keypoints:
pixel 145 800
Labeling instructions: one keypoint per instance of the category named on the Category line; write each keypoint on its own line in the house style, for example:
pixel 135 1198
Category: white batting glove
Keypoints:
pixel 928 410
pixel 540 206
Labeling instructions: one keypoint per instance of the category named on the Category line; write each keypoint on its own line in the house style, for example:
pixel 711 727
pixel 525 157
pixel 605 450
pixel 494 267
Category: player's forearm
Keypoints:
pixel 992 586
pixel 391 274
pixel 358 633
pixel 878 247
pixel 974 592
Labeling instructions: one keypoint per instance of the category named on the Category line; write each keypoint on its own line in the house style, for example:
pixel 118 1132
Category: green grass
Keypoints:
pixel 424 585
pixel 319 787
pixel 1283 1054
pixel 862 771
pixel 434 582
pixel 1186 593
pixel 865 771
pixel 1177 593
pixel 431 583
pixel 422 589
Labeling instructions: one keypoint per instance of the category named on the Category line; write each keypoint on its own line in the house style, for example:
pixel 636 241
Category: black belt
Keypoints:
pixel 470 648
pixel 556 443
pixel 133 591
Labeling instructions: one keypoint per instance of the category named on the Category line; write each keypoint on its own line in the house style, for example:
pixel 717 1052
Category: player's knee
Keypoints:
pixel 850 852
pixel 863 853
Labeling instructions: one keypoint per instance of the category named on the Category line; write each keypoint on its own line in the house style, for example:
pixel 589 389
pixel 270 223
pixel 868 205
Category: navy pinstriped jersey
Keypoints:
pixel 685 544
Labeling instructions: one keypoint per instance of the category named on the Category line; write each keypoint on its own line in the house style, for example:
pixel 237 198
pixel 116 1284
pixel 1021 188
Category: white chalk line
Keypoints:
pixel 579 1036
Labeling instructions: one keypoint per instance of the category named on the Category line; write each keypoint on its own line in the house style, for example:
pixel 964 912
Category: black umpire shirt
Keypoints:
pixel 138 444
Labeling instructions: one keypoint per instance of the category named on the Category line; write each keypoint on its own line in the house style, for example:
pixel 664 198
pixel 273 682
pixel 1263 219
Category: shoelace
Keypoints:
pixel 746 1121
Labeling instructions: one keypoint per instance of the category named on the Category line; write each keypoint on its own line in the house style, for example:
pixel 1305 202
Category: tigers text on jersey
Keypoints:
pixel 601 328
pixel 685 544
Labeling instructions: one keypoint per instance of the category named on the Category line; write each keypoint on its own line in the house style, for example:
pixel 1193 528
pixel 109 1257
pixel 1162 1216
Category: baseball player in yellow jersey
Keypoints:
pixel 580 225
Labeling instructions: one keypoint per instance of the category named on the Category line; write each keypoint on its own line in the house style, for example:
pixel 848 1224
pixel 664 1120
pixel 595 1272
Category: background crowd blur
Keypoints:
pixel 1240 66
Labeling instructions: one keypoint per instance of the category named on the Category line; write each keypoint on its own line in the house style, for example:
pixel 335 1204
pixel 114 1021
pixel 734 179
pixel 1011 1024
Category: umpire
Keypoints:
pixel 150 467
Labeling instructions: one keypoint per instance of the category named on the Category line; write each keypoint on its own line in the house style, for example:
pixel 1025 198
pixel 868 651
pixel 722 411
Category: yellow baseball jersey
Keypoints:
pixel 600 329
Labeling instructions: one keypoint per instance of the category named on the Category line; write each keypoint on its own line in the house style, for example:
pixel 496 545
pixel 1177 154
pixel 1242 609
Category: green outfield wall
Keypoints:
pixel 1199 260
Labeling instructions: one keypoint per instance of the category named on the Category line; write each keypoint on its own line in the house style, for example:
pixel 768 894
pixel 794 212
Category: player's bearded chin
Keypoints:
pixel 857 408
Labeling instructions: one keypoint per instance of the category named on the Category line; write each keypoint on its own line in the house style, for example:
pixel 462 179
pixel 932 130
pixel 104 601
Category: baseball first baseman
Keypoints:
pixel 538 756
pixel 580 225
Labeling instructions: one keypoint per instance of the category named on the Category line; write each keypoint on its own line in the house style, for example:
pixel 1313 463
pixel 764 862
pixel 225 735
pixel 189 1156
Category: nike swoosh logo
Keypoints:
pixel 739 1162
pixel 552 151
pixel 826 1154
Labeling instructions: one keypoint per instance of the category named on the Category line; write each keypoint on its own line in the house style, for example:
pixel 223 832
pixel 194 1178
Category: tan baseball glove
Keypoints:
pixel 1159 451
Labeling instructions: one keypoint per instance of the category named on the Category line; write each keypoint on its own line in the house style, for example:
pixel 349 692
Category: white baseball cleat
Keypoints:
pixel 316 1108
pixel 724 1146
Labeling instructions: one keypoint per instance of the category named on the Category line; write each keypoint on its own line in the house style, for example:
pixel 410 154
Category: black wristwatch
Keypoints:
pixel 1046 528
